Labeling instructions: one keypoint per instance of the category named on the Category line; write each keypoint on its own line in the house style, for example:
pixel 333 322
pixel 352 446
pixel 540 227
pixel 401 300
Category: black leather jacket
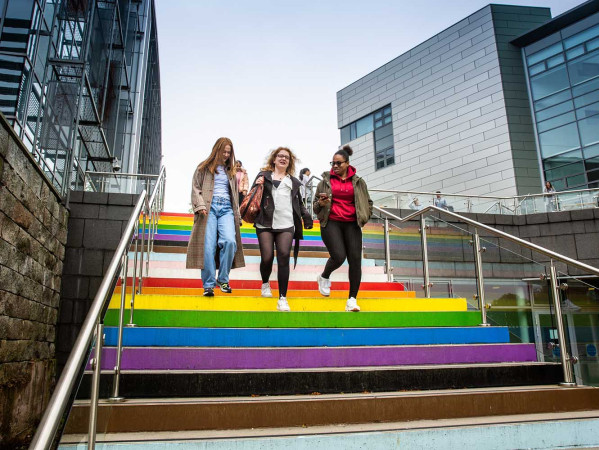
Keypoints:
pixel 267 206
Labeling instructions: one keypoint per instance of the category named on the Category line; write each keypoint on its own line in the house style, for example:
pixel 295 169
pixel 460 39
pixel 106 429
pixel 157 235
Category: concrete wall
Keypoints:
pixel 33 234
pixel 96 224
pixel 452 98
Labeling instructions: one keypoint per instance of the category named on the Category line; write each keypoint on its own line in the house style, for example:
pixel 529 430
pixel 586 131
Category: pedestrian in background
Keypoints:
pixel 243 183
pixel 279 220
pixel 343 206
pixel 214 200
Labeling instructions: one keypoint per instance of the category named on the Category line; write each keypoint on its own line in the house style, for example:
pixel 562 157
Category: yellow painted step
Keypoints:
pixel 235 303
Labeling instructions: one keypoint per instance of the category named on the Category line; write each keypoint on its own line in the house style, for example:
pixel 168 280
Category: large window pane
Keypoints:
pixel 555 110
pixel 583 69
pixel 563 159
pixel 553 100
pixel 587 111
pixel 586 99
pixel 383 131
pixel 556 122
pixel 544 54
pixel 364 125
pixel 586 87
pixel 559 140
pixel 591 152
pixel 592 164
pixel 581 37
pixel 547 83
pixel 383 143
pixel 575 52
pixel 589 130
pixel 564 171
pixel 576 181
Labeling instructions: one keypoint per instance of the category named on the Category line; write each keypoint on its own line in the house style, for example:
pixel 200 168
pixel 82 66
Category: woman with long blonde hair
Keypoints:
pixel 279 220
pixel 214 199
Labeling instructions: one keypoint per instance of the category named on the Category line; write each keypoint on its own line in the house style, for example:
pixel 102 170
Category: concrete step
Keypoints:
pixel 156 415
pixel 538 431
pixel 222 383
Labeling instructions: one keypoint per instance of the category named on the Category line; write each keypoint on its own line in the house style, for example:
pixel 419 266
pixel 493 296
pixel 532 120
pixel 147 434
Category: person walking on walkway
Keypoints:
pixel 343 206
pixel 279 220
pixel 243 183
pixel 216 220
pixel 304 176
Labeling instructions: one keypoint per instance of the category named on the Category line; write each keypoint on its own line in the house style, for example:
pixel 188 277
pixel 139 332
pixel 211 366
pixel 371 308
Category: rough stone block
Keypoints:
pixel 75 232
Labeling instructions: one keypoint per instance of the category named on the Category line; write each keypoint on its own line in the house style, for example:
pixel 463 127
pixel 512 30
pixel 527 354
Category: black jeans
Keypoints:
pixel 344 240
pixel 268 239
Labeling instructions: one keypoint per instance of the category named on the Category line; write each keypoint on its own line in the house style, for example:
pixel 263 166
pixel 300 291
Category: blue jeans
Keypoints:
pixel 221 224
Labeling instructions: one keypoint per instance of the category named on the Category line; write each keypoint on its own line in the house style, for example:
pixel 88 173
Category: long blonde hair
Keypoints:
pixel 270 161
pixel 212 161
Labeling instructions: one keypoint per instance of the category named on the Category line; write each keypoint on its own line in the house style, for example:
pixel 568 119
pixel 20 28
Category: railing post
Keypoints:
pixel 427 282
pixel 134 278
pixel 142 250
pixel 480 284
pixel 388 268
pixel 119 350
pixel 95 393
pixel 559 322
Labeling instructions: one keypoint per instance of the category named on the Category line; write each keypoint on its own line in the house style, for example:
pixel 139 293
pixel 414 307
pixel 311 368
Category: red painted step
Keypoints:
pixel 257 284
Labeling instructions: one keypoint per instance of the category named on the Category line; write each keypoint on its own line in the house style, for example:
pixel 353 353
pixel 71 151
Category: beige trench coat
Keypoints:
pixel 202 188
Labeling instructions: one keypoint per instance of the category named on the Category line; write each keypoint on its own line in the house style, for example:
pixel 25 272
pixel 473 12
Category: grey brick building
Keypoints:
pixel 451 114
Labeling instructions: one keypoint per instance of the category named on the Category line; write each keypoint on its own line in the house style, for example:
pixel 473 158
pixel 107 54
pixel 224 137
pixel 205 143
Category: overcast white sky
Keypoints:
pixel 265 73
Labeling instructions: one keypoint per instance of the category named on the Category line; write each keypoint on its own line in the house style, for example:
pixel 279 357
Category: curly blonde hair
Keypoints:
pixel 270 161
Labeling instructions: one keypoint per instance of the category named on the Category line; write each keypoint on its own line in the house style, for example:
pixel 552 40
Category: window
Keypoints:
pixel 549 82
pixel 559 140
pixel 366 124
pixel 383 146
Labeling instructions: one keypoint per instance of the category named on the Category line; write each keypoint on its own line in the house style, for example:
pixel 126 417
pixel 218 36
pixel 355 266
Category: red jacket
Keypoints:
pixel 343 208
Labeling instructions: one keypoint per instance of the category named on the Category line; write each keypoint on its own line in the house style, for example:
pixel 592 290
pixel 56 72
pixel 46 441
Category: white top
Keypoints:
pixel 283 215
pixel 221 183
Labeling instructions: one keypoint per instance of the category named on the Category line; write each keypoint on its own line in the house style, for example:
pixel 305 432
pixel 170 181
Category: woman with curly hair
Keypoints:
pixel 279 220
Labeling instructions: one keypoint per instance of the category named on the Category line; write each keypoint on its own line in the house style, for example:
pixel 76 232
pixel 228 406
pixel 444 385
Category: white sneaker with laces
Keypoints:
pixel 266 292
pixel 352 305
pixel 324 285
pixel 282 305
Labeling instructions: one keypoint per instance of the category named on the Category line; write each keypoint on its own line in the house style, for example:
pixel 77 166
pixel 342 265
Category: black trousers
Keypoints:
pixel 344 241
pixel 268 239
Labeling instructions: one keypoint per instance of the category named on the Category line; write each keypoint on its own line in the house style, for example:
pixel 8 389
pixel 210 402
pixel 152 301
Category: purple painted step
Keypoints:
pixel 183 358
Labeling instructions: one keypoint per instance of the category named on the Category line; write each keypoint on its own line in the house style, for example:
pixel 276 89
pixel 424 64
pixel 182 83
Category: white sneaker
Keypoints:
pixel 282 305
pixel 266 292
pixel 324 285
pixel 568 305
pixel 352 305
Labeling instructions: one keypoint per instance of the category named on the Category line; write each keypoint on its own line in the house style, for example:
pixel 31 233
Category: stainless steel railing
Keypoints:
pixel 566 360
pixel 526 204
pixel 91 333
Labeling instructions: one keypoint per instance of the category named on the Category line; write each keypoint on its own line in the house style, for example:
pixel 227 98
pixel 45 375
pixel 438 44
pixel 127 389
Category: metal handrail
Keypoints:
pixel 499 233
pixel 495 197
pixel 566 360
pixel 51 420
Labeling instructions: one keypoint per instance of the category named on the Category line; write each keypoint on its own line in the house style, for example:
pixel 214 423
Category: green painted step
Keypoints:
pixel 268 319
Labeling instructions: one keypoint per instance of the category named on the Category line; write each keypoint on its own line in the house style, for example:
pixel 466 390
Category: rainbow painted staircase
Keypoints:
pixel 234 362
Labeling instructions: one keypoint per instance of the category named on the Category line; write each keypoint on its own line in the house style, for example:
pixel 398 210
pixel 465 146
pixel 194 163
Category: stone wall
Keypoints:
pixel 96 224
pixel 33 234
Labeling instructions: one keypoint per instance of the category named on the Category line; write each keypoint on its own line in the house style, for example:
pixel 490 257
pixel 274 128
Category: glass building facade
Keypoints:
pixel 562 67
pixel 80 83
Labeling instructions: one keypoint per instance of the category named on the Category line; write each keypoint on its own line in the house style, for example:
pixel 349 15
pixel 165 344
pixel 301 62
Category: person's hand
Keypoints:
pixel 260 180
pixel 323 199
pixel 204 212
pixel 245 192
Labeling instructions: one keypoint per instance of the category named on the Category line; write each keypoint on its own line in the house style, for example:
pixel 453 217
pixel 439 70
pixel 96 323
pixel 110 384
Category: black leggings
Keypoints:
pixel 267 240
pixel 344 240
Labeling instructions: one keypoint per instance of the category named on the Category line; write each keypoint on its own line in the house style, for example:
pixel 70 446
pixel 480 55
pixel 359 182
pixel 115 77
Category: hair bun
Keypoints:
pixel 346 148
